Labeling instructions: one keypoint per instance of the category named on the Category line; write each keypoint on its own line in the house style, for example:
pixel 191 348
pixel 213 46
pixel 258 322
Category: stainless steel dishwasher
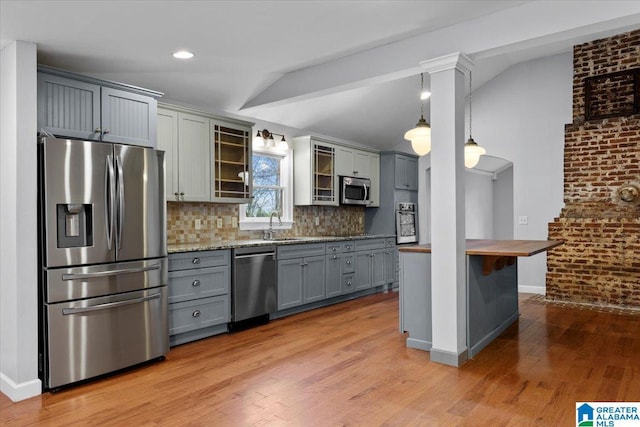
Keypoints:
pixel 253 284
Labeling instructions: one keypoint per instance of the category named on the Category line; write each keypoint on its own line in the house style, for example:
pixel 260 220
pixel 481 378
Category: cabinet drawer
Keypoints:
pixel 198 283
pixel 348 265
pixel 338 247
pixel 188 260
pixel 192 315
pixel 348 284
pixel 369 244
pixel 301 251
pixel 348 246
pixel 334 248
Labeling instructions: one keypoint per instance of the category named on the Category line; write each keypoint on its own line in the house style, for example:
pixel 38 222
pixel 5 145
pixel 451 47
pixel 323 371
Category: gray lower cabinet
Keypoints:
pixel 301 274
pixel 340 268
pixel 391 263
pixel 199 298
pixel 369 264
pixel 76 106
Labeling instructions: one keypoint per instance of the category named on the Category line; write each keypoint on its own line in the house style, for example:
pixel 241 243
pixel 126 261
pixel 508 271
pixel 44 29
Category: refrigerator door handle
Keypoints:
pixel 109 186
pixel 68 311
pixel 120 200
pixel 97 274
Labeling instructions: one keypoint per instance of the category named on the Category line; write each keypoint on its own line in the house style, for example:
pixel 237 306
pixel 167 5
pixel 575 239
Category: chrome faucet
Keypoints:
pixel 268 234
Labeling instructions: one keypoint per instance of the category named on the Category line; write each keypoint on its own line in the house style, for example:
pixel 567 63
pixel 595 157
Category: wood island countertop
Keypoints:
pixel 496 247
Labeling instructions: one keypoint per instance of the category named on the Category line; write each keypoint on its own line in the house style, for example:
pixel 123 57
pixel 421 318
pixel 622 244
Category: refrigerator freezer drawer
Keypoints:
pixel 64 284
pixel 100 335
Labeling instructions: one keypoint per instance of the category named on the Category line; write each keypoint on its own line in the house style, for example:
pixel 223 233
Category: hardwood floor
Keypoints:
pixel 348 365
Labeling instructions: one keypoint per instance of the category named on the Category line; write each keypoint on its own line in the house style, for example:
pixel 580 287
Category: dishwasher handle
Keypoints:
pixel 260 255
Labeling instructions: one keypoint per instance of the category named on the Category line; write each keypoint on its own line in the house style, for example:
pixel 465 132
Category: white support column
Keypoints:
pixel 18 222
pixel 448 269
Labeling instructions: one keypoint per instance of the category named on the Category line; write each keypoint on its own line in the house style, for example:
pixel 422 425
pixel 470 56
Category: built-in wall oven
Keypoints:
pixel 406 223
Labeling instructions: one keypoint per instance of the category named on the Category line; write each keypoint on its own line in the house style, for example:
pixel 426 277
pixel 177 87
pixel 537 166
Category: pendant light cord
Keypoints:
pixel 421 90
pixel 470 105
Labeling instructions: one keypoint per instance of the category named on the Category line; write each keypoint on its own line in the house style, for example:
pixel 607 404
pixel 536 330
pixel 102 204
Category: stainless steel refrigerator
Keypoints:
pixel 103 286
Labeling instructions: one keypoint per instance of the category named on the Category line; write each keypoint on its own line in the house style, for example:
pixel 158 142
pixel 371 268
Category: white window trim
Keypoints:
pixel 286 178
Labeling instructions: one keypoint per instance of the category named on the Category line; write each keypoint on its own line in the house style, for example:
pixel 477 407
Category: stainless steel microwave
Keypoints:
pixel 355 191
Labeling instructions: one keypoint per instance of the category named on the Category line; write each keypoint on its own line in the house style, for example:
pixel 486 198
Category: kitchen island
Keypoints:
pixel 492 289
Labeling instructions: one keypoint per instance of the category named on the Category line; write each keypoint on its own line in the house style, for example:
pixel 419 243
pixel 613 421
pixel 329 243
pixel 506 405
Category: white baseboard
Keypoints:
pixel 22 391
pixel 540 290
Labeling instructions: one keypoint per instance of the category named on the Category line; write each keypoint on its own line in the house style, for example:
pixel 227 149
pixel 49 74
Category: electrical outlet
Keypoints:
pixel 317 220
pixel 198 224
pixel 234 222
pixel 219 223
pixel 359 220
pixel 523 220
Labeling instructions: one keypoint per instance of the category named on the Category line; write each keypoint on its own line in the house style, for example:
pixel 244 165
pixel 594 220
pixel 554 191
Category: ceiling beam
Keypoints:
pixel 538 28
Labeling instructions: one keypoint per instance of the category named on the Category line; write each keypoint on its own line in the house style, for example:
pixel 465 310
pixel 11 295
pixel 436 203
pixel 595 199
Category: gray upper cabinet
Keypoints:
pixel 68 107
pixel 406 172
pixel 77 106
pixel 128 118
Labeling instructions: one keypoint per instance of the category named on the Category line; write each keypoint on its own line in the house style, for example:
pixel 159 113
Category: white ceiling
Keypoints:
pixel 243 47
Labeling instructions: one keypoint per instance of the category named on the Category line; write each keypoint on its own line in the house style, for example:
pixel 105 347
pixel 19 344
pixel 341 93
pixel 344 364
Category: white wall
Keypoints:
pixel 478 205
pixel 18 223
pixel 520 116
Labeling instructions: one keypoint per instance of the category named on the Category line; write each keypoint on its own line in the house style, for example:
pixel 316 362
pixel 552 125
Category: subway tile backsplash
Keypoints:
pixel 197 222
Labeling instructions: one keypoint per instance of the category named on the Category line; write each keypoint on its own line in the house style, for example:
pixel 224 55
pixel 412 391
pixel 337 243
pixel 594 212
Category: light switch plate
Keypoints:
pixel 234 222
pixel 198 224
pixel 317 220
pixel 523 220
pixel 219 223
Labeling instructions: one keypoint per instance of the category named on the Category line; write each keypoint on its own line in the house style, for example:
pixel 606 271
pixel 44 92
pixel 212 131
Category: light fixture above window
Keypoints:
pixel 183 54
pixel 472 151
pixel 265 139
pixel 420 136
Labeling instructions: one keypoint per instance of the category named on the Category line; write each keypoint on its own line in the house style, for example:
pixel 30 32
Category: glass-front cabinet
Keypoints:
pixel 231 162
pixel 323 173
pixel 314 172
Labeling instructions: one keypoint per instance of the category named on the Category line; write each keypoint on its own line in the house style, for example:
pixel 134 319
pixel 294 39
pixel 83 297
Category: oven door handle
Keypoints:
pixel 68 311
pixel 109 272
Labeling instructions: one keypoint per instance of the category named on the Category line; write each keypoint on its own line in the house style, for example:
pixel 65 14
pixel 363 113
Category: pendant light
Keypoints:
pixel 420 136
pixel 472 151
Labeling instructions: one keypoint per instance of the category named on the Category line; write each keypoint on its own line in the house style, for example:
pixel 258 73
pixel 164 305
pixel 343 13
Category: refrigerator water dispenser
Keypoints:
pixel 74 225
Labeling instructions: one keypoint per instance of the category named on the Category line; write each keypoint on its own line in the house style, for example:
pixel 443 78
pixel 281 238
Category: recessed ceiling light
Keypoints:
pixel 183 54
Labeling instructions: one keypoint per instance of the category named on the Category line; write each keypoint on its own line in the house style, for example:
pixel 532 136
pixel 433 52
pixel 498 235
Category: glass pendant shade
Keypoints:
pixel 420 137
pixel 472 153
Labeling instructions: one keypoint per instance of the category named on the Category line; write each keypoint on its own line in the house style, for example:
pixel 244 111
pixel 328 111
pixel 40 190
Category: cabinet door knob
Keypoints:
pixel 371 255
pixel 196 313
pixel 182 193
pixel 195 261
pixel 196 283
pixel 333 248
pixel 348 247
pixel 106 131
pixel 335 257
pixel 97 130
pixel 349 262
pixel 348 282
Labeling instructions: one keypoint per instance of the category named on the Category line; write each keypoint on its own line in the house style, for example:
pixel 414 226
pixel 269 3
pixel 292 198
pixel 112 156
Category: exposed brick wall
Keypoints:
pixel 600 260
pixel 600 57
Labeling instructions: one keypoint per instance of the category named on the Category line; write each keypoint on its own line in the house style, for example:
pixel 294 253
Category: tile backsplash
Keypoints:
pixel 183 219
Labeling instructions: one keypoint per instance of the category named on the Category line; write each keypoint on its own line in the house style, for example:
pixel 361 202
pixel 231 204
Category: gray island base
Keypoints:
pixel 492 290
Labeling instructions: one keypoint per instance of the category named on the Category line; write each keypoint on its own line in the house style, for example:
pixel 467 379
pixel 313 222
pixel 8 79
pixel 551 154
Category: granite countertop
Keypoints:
pixel 231 244
pixel 497 247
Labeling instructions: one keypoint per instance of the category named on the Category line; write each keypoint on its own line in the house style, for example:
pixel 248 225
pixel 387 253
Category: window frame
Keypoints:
pixel 286 183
